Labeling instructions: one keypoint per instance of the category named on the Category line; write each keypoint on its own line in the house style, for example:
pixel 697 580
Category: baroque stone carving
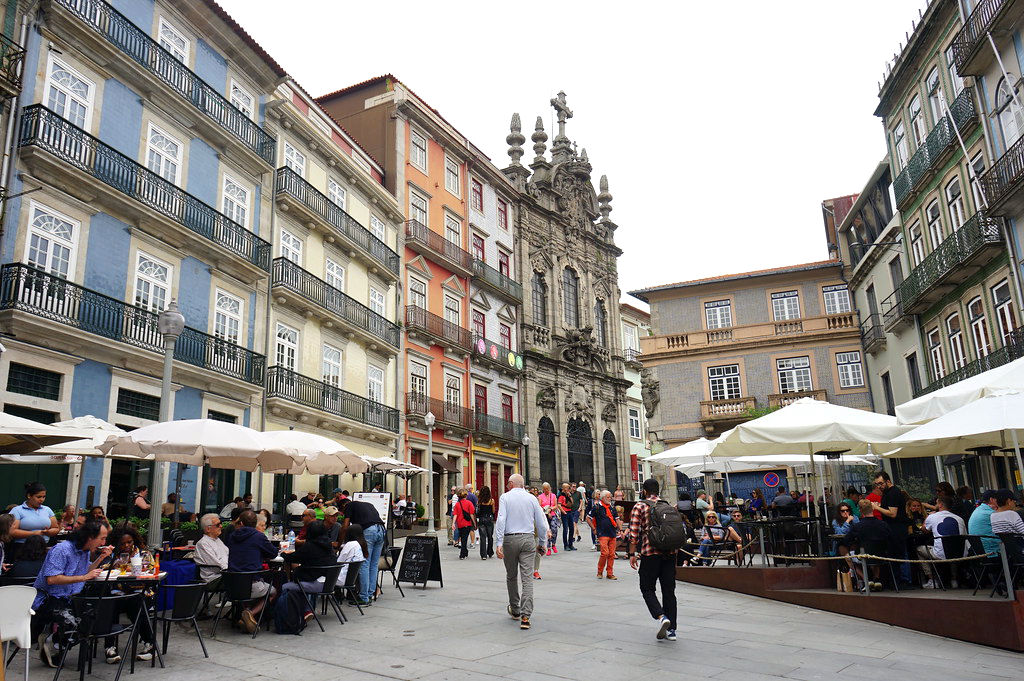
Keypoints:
pixel 579 402
pixel 650 391
pixel 546 398
pixel 608 414
pixel 579 346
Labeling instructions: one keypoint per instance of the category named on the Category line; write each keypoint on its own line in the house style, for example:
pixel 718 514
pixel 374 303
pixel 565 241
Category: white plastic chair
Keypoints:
pixel 16 619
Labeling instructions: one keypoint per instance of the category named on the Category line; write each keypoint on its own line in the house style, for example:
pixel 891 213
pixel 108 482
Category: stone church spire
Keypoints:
pixel 561 150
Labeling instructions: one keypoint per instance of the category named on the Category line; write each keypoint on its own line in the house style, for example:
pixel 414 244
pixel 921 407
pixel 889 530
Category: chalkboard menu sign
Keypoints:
pixel 421 561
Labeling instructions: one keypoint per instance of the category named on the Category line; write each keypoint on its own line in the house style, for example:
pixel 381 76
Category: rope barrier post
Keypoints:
pixel 1006 570
pixel 865 572
pixel 760 536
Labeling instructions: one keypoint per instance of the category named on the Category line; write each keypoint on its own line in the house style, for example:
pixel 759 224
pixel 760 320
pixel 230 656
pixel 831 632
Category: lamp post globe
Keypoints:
pixel 429 421
pixel 526 459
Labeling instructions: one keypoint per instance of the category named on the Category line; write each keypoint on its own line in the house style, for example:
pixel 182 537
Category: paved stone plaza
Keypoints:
pixel 582 629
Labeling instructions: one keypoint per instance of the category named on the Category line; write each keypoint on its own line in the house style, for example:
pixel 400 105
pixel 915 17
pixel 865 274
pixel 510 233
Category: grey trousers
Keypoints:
pixel 520 550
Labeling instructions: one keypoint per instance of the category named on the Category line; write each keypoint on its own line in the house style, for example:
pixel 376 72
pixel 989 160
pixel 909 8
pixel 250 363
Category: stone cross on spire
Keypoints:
pixel 563 111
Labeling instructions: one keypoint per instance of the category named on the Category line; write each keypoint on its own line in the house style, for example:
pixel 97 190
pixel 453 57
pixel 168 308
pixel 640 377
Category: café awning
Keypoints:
pixel 446 465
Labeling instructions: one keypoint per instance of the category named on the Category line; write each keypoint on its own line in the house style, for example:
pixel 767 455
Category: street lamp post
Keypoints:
pixel 526 459
pixel 170 324
pixel 428 421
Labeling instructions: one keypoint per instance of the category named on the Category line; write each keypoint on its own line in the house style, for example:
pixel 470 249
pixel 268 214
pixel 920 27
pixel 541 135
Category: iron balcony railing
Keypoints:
pixel 309 392
pixel 31 290
pixel 977 233
pixel 494 278
pixel 1013 348
pixel 147 53
pixel 317 291
pixel 289 182
pixel 631 355
pixel 44 129
pixel 871 330
pixel 416 231
pixel 445 412
pixel 11 57
pixel 938 141
pixel 502 357
pixel 892 309
pixel 974 31
pixel 1005 176
pixel 418 319
pixel 498 427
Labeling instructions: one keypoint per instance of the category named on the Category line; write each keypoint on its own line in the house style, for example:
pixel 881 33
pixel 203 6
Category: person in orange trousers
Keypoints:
pixel 605 523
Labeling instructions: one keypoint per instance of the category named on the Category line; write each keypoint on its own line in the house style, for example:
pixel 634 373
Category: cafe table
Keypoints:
pixel 109 580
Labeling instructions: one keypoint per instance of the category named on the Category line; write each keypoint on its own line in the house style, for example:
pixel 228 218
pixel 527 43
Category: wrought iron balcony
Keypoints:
pixel 786 399
pixel 421 239
pixel 496 355
pixel 496 281
pixel 453 336
pixel 290 184
pixel 43 129
pixel 498 428
pixel 1003 181
pixel 947 264
pixel 447 414
pixel 941 139
pixel 31 290
pixel 972 38
pixel 872 334
pixel 1012 349
pixel 308 287
pixel 893 314
pixel 148 54
pixel 309 392
pixel 12 56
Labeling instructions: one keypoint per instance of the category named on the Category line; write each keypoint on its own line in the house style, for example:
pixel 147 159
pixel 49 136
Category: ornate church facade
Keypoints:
pixel 574 388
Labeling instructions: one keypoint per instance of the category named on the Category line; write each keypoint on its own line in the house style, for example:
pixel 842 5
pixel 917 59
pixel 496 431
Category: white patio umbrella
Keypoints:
pixel 987 421
pixel 385 464
pixel 21 436
pixel 684 454
pixel 944 400
pixel 314 454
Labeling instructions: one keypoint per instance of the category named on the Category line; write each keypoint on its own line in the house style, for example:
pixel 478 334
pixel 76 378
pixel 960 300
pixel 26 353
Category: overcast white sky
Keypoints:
pixel 721 125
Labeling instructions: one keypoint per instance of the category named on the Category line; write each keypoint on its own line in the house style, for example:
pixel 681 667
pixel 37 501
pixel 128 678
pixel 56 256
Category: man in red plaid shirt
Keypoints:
pixel 655 566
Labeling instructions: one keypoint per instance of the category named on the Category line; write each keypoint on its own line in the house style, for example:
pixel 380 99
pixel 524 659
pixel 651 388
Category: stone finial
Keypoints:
pixel 583 156
pixel 515 140
pixel 539 137
pixel 604 199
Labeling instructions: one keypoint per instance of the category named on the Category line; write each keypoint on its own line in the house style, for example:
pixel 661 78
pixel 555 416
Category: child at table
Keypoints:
pixel 353 550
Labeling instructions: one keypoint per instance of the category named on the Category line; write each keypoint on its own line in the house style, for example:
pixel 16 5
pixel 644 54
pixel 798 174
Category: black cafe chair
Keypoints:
pixel 1013 544
pixel 350 589
pixel 954 546
pixel 99 617
pixel 237 588
pixel 979 568
pixel 388 563
pixel 879 549
pixel 188 599
pixel 326 595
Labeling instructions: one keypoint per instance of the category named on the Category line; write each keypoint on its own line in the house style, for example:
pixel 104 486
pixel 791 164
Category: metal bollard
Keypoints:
pixel 1006 570
pixel 760 536
pixel 866 572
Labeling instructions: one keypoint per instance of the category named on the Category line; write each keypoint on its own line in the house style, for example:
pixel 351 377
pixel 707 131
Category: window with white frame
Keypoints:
pixel 851 371
pixel 295 159
pixel 1004 311
pixel 453 230
pixel 287 346
pixel 163 155
pixel 227 317
pixel 374 383
pixel 916 243
pixel 634 423
pixel 837 299
pixel 785 305
pixel 173 40
pixel 331 366
pixel 629 341
pixel 452 389
pixel 724 382
pixel 955 204
pixel 417 378
pixel 68 93
pixel 958 82
pixel 378 228
pixel 954 333
pixel 718 314
pixel 378 303
pixel 794 374
pixel 935 352
pixel 418 150
pixel 900 144
pixel 451 175
pixel 933 214
pixel 917 124
pixel 236 201
pixel 934 89
pixel 337 194
pixel 1011 116
pixel 977 170
pixel 334 274
pixel 979 326
pixel 452 310
pixel 243 100
pixel 291 247
pixel 152 282
pixel 418 207
pixel 52 241
pixel 417 293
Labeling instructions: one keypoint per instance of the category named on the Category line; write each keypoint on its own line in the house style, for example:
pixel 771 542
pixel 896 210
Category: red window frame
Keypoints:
pixel 480 398
pixel 502 214
pixel 506 408
pixel 479 324
pixel 477 195
pixel 506 335
pixel 504 263
pixel 478 248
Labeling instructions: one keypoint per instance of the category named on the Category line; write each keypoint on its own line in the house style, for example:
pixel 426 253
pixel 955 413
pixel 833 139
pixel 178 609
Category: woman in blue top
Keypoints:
pixel 33 516
pixel 843 522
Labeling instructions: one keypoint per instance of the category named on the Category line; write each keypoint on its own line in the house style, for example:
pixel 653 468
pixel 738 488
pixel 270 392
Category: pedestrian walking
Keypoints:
pixel 485 522
pixel 580 499
pixel 473 500
pixel 656 528
pixel 464 515
pixel 520 534
pixel 549 504
pixel 591 504
pixel 604 523
pixel 566 511
pixel 534 492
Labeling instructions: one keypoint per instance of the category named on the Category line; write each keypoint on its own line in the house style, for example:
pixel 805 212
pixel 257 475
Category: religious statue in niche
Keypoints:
pixel 650 391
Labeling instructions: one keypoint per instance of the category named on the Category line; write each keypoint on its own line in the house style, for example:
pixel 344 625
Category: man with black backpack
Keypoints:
pixel 656 527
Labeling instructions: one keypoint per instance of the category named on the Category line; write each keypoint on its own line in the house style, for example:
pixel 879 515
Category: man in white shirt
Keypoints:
pixel 519 534
pixel 211 554
pixel 941 523
pixel 294 509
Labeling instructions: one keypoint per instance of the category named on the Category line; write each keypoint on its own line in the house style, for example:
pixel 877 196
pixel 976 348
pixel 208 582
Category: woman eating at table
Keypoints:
pixel 353 550
pixel 33 516
pixel 67 518
pixel 316 551
pixel 127 541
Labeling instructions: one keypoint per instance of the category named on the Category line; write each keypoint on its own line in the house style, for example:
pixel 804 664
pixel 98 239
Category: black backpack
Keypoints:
pixel 289 611
pixel 666 531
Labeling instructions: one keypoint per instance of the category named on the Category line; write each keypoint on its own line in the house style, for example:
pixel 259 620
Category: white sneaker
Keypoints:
pixel 595 548
pixel 928 585
pixel 663 626
pixel 112 655
pixel 145 652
